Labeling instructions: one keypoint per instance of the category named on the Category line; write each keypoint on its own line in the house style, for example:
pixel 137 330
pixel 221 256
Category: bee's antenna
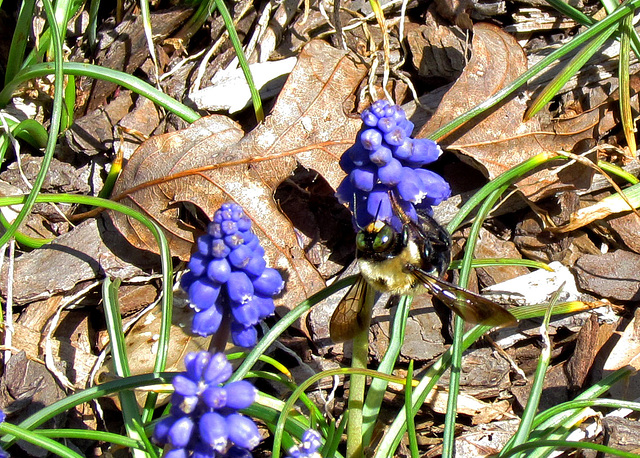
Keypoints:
pixel 355 212
pixel 375 218
pixel 397 208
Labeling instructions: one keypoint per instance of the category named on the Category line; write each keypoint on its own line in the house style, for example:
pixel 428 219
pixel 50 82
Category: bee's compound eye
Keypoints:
pixel 384 239
pixel 361 241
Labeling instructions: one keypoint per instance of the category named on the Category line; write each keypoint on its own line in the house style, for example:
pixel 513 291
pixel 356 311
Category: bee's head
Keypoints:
pixel 379 240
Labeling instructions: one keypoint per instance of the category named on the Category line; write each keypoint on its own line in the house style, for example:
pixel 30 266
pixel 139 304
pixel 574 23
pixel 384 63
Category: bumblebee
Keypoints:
pixel 409 261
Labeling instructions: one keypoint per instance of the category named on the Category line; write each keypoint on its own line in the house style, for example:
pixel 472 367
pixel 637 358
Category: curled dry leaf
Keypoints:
pixel 501 139
pixel 211 162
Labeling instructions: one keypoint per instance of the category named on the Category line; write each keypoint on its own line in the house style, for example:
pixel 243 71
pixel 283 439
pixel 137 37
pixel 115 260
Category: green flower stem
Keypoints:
pixel 623 10
pixel 357 383
pixel 107 74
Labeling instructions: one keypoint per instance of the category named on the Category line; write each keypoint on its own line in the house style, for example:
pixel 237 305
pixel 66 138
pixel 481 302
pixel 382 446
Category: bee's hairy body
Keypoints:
pixel 391 275
pixel 425 246
pixel 407 261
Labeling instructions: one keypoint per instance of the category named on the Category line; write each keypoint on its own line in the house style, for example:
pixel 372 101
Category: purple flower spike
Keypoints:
pixel 196 363
pixel 228 262
pixel 381 156
pixel 425 151
pixel 358 155
pixel 219 270
pixel 392 167
pixel 240 256
pixel 396 137
pixel 218 370
pixel 239 287
pixel 246 314
pixel 215 397
pixel 211 426
pixel 379 204
pixel 390 174
pixel 203 294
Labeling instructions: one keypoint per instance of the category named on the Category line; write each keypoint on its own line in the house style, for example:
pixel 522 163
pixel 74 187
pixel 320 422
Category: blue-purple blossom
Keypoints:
pixel 386 159
pixel 309 446
pixel 228 277
pixel 204 421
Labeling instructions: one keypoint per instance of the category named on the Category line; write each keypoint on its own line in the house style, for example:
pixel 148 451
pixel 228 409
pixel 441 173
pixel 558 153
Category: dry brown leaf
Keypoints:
pixel 211 162
pixel 500 140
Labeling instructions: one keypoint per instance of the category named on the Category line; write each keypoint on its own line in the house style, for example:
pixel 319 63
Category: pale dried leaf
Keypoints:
pixel 210 163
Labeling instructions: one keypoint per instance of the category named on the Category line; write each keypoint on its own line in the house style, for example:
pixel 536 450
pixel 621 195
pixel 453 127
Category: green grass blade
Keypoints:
pixel 37 439
pixel 130 411
pixel 53 133
pixel 107 74
pixel 623 10
pixel 237 46
pixel 626 117
pixel 411 427
pixel 19 40
pixel 286 321
pixel 571 12
pixel 87 434
pixel 565 75
pixel 448 441
pixel 378 387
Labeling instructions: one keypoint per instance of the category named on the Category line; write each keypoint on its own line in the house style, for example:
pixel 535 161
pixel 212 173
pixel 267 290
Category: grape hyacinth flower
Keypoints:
pixel 204 421
pixel 385 158
pixel 309 446
pixel 228 277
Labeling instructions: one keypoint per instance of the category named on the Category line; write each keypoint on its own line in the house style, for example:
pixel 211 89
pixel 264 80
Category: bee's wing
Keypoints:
pixel 470 306
pixel 350 316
